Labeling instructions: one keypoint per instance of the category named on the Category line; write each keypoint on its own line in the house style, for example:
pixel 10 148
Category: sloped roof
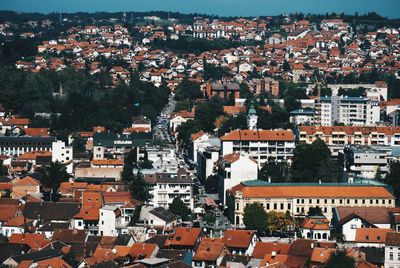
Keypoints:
pixel 238 238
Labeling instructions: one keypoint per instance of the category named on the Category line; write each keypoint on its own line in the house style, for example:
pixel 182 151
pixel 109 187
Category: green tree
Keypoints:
pixel 315 211
pixel 276 171
pixel 340 259
pixel 211 184
pixel 140 189
pixel 179 208
pixel 53 176
pixel 393 177
pixel 3 169
pixel 278 221
pixel 207 112
pixel 313 162
pixel 378 174
pixel 79 144
pixel 188 90
pixel 255 217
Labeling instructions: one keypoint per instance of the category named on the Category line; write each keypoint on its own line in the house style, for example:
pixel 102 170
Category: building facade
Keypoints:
pixel 299 198
pixel 261 145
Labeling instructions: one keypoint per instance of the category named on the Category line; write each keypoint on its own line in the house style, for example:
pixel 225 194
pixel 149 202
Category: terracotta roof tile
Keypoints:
pixel 238 238
pixel 371 235
pixel 209 249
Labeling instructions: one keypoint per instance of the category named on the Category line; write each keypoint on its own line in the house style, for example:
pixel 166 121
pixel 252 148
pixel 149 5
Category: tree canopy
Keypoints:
pixel 340 259
pixel 313 162
pixel 255 217
pixel 179 208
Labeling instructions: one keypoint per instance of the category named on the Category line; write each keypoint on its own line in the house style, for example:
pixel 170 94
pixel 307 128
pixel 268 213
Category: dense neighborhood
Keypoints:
pixel 172 140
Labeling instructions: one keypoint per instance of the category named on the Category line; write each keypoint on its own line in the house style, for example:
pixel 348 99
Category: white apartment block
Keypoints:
pixel 109 219
pixel 167 186
pixel 261 145
pixel 336 137
pixel 355 111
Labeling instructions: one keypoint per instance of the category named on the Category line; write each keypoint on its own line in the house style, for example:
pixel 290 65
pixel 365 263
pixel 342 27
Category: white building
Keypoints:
pixel 366 161
pixel 392 250
pixel 109 219
pixel 346 220
pixel 200 142
pixel 261 145
pixel 355 111
pixel 315 227
pixel 206 161
pixel 232 170
pixel 62 154
pixel 167 186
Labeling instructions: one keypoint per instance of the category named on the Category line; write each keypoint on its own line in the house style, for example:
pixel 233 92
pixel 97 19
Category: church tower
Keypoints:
pixel 252 118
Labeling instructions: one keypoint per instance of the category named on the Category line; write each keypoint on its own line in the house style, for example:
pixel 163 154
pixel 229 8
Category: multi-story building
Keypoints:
pixel 20 145
pixel 299 198
pixel 232 170
pixel 336 137
pixel 356 111
pixel 365 161
pixel 392 250
pixel 62 154
pixel 206 161
pixel 266 84
pixel 167 186
pixel 261 145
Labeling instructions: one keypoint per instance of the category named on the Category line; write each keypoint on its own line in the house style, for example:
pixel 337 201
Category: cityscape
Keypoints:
pixel 196 136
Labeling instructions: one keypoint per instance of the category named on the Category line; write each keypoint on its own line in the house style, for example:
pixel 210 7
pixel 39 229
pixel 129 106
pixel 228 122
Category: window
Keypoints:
pixel 326 201
pixel 333 201
pixel 383 201
pixel 363 201
pixel 377 201
pixel 289 206
pixel 370 201
pixel 237 206
pixel 310 201
pixel 355 201
pixel 367 237
pixel 341 201
pixel 298 210
pixel 348 201
pixel 302 201
pixel 391 256
pixel 317 201
pixel 275 206
pixel 282 208
pixel 353 226
pixel 398 256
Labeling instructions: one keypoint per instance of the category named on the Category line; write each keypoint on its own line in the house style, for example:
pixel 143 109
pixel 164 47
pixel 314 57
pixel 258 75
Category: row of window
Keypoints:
pixel 343 201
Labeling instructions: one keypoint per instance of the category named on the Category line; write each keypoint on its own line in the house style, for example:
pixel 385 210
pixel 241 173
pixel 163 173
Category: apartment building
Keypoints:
pixel 167 186
pixel 19 145
pixel 365 161
pixel 357 111
pixel 265 84
pixel 261 145
pixel 232 170
pixel 299 198
pixel 336 137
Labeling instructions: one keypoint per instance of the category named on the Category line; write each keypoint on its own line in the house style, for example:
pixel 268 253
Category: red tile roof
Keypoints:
pixel 259 135
pixel 238 238
pixel 209 249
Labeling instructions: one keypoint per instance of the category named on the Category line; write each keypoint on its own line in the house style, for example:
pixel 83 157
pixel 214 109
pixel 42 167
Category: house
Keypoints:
pixel 232 170
pixel 392 250
pixel 371 237
pixel 109 219
pixel 240 242
pixel 315 227
pixel 346 220
pixel 184 238
pixel 26 186
pixel 209 252
pixel 161 218
pixel 34 241
pixel 180 117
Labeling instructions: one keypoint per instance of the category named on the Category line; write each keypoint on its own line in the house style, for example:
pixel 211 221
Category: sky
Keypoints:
pixel 388 8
